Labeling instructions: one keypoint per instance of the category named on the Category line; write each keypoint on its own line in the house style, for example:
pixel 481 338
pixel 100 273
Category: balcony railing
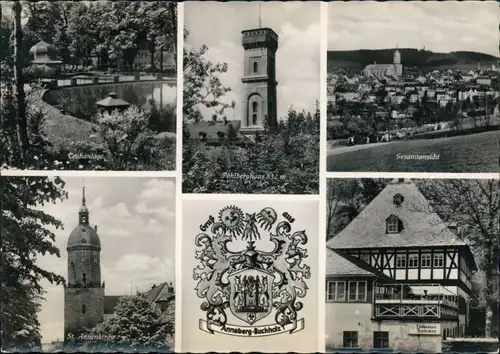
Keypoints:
pixel 414 301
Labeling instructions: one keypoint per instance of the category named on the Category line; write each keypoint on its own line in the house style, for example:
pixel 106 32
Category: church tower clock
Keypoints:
pixel 259 80
pixel 83 291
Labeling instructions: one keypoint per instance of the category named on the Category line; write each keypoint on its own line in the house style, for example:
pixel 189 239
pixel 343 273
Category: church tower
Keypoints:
pixel 397 62
pixel 259 80
pixel 83 291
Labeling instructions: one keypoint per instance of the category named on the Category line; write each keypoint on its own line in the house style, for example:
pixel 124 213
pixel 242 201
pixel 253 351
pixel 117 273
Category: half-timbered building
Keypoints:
pixel 397 276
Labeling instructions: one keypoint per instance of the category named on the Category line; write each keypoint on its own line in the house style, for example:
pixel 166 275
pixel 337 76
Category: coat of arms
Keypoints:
pixel 251 273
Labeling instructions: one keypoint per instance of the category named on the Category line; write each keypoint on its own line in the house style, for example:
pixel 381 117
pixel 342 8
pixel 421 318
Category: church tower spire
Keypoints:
pixel 83 213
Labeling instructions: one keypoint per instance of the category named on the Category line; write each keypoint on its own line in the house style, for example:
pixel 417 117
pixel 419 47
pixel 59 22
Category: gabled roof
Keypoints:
pixel 339 265
pixel 422 226
pixel 158 293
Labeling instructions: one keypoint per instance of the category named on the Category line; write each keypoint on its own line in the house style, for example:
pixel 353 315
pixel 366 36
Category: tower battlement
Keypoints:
pixel 258 38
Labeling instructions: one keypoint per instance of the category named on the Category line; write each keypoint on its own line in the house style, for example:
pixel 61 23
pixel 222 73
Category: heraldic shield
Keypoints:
pixel 251 294
pixel 237 275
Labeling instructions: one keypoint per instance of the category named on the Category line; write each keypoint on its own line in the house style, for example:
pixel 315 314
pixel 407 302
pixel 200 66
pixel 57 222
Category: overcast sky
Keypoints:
pixel 219 26
pixel 439 26
pixel 136 226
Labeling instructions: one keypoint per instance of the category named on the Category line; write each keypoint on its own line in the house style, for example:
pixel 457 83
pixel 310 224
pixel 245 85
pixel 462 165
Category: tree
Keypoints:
pixel 346 198
pixel 475 206
pixel 21 125
pixel 160 26
pixel 25 235
pixel 295 170
pixel 136 323
pixel 202 83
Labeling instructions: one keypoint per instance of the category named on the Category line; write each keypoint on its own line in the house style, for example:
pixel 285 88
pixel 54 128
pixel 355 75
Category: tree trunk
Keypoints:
pixel 21 125
pixel 152 51
pixel 161 59
pixel 173 13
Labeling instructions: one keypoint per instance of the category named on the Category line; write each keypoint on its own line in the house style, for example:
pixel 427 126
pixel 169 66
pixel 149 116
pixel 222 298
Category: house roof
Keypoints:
pixel 339 265
pixel 378 66
pixel 421 225
pixel 159 293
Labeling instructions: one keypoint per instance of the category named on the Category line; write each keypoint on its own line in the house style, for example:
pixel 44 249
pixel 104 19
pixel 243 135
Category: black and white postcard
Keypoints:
pixel 88 85
pixel 413 86
pixel 87 267
pixel 411 266
pixel 250 103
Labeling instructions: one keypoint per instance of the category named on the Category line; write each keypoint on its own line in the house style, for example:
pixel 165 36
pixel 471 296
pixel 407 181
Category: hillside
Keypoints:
pixel 409 57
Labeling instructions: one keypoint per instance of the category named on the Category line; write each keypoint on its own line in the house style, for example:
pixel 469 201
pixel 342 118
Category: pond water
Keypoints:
pixel 80 101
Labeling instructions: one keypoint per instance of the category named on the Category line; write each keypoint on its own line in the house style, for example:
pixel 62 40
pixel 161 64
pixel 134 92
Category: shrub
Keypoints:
pixel 35 72
pixel 285 162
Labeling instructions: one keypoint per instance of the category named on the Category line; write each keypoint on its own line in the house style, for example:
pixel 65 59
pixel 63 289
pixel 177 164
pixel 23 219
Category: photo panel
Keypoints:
pixel 413 86
pixel 250 276
pixel 411 265
pixel 251 91
pixel 89 85
pixel 87 267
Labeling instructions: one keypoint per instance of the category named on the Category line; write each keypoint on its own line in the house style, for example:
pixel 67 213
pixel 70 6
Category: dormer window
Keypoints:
pixel 398 200
pixel 393 225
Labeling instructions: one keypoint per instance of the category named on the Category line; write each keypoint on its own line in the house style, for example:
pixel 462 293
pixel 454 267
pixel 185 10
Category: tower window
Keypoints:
pixel 84 309
pixel 84 279
pixel 255 107
pixel 255 67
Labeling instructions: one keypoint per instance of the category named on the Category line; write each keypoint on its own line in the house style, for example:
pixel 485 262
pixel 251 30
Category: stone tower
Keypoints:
pixel 83 292
pixel 397 62
pixel 259 80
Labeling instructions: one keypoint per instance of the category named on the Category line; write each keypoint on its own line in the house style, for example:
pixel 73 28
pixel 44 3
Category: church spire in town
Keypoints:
pixel 83 213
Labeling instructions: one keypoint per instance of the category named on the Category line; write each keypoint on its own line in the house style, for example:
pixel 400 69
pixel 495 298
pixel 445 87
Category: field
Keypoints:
pixel 474 153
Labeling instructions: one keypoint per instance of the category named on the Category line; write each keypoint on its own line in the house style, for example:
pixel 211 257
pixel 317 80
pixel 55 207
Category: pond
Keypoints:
pixel 80 101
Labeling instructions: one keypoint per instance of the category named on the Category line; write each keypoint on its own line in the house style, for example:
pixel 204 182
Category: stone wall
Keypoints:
pixel 74 298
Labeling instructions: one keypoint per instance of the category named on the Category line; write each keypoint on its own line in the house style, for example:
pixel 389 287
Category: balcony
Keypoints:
pixel 414 302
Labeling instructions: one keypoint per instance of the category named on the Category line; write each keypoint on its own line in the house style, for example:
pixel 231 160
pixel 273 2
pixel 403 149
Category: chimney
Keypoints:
pixel 95 228
pixel 154 286
pixel 224 119
pixel 214 118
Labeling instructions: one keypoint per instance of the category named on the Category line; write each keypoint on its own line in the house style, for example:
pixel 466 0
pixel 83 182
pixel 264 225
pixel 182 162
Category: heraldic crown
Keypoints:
pixel 251 283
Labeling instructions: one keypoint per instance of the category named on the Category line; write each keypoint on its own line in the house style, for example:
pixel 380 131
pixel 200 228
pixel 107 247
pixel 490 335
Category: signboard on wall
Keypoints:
pixel 425 329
